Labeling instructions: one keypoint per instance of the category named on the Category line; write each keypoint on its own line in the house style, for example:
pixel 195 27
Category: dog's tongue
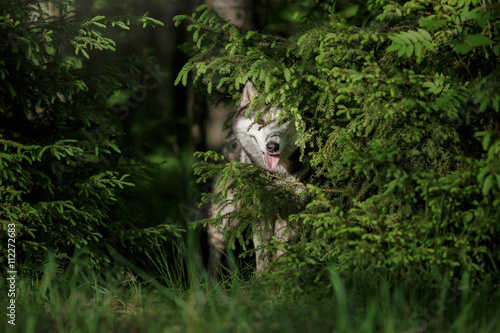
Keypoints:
pixel 271 160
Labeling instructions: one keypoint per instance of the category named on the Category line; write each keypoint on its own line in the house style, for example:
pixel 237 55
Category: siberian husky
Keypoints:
pixel 268 144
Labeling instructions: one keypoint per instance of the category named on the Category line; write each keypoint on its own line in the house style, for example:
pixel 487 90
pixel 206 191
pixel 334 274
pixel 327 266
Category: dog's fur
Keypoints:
pixel 268 144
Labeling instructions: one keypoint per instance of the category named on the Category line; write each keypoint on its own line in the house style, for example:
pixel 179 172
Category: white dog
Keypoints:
pixel 268 144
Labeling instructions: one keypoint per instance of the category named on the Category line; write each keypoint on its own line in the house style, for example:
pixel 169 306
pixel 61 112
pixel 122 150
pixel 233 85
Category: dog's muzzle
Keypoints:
pixel 272 156
pixel 272 147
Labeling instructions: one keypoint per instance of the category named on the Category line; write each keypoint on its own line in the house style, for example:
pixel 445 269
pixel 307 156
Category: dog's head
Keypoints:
pixel 274 136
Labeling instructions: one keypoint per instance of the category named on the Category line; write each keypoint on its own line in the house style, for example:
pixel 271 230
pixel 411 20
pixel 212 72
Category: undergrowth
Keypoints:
pixel 81 299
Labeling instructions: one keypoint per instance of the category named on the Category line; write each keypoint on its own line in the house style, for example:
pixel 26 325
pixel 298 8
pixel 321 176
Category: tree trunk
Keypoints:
pixel 240 14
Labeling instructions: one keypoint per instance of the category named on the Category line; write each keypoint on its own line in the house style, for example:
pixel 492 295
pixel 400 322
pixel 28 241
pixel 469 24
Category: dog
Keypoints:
pixel 268 143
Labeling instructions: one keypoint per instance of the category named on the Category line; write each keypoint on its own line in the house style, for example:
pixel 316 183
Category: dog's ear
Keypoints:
pixel 248 94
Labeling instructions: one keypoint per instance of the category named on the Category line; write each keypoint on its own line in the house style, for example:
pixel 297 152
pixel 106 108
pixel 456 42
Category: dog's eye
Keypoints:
pixel 285 119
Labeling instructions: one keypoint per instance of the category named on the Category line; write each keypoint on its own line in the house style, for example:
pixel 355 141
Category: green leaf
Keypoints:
pixel 393 47
pixel 418 50
pixel 478 40
pixel 409 50
pixel 461 47
pixel 488 184
pixel 402 51
pixel 432 23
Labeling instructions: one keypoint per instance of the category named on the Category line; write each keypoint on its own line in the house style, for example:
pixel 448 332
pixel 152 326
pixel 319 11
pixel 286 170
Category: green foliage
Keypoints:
pixel 260 195
pixel 59 147
pixel 402 116
pixel 411 43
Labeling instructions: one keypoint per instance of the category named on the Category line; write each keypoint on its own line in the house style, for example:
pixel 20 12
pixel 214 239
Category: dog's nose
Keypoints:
pixel 272 147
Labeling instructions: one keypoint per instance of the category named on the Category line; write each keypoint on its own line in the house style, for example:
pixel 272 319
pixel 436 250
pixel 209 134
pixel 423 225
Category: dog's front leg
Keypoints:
pixel 284 233
pixel 216 242
pixel 216 247
pixel 261 237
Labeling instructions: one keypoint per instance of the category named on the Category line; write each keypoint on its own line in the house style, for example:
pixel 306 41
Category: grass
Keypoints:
pixel 79 299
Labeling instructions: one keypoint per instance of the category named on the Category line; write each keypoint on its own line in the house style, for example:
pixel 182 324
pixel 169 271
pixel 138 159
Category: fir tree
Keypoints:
pixel 59 143
pixel 399 105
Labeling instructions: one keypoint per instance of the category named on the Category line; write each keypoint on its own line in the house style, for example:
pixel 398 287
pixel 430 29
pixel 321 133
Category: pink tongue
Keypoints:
pixel 271 160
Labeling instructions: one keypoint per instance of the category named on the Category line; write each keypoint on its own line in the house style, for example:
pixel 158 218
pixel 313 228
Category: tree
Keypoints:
pixel 60 158
pixel 398 102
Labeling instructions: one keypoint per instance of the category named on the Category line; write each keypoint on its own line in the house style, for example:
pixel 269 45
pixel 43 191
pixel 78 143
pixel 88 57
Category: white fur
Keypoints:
pixel 249 144
pixel 254 137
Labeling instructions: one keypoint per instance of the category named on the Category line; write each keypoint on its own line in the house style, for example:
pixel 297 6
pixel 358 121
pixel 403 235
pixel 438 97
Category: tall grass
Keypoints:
pixel 79 299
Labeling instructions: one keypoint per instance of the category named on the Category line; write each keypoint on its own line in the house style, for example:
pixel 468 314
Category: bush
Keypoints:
pixel 60 161
pixel 400 107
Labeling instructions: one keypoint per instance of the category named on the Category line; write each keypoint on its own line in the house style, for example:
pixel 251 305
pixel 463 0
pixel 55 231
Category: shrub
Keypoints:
pixel 400 107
